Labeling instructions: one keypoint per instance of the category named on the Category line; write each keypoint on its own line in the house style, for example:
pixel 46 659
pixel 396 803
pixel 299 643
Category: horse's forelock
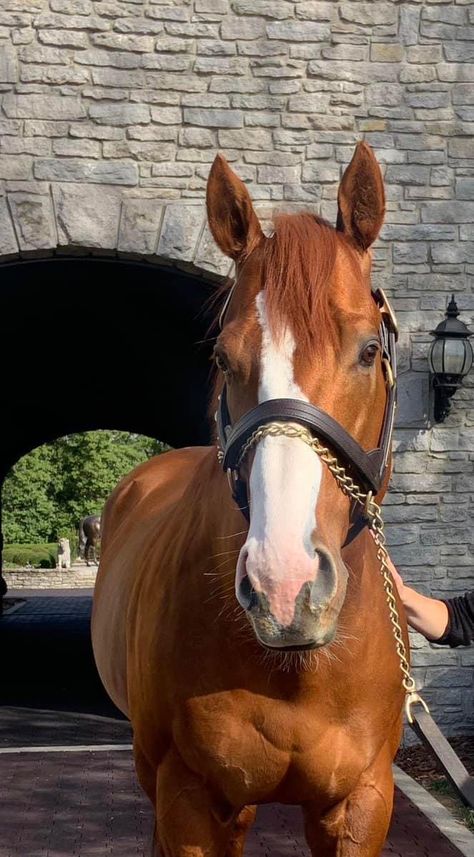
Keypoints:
pixel 299 259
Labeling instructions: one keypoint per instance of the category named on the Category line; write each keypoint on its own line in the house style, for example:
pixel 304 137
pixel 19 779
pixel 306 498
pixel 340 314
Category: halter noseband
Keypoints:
pixel 369 468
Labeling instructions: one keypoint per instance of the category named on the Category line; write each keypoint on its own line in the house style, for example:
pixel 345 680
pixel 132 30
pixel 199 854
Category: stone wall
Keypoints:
pixel 51 578
pixel 112 111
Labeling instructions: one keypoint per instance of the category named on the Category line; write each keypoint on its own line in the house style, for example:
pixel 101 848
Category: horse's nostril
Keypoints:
pixel 246 595
pixel 323 587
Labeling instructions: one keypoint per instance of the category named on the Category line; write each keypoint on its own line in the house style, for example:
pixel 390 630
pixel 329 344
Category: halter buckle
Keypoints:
pixel 387 310
pixel 388 372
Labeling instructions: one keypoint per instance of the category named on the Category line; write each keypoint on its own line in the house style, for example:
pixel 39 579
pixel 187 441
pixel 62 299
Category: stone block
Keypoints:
pixel 258 138
pixel 15 167
pixel 87 215
pixel 461 148
pixel 113 59
pixel 271 8
pixel 119 41
pixel 118 77
pixel 80 170
pixel 410 252
pixel 320 172
pixel 458 52
pixel 168 13
pixel 8 241
pixel 385 52
pixel 299 31
pixel 8 64
pixel 166 115
pixel 220 65
pixel 138 26
pixel 72 7
pixel 215 7
pixel 180 231
pixel 64 38
pixel 243 28
pixel 120 114
pixel 408 31
pixel 71 22
pixel 448 212
pixel 139 226
pixel 209 118
pixel 368 14
pixel 278 175
pixel 77 148
pixel 47 107
pixel 404 174
pixel 313 10
pixel 413 399
pixel 34 220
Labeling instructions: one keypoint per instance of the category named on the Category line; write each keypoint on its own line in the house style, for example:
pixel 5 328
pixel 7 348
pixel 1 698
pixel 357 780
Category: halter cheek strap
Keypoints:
pixel 369 468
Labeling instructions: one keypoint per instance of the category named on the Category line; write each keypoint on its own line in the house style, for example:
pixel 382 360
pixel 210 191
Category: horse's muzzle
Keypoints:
pixel 313 609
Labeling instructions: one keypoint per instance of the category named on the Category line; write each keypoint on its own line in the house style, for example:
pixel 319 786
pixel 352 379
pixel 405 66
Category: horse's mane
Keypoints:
pixel 298 261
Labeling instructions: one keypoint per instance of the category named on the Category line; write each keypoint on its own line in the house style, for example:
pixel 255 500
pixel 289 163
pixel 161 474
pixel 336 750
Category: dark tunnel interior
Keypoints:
pixel 92 343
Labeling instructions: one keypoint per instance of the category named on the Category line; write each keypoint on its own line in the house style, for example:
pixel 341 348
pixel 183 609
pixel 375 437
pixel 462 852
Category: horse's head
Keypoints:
pixel 300 324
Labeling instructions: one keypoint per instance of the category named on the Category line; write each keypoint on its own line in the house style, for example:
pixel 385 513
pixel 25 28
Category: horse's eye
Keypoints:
pixel 368 355
pixel 221 364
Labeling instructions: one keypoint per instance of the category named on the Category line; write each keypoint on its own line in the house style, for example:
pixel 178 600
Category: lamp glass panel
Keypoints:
pixel 436 357
pixel 455 354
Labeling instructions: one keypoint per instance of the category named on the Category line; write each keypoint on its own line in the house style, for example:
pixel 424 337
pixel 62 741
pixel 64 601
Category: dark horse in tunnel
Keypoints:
pixel 89 536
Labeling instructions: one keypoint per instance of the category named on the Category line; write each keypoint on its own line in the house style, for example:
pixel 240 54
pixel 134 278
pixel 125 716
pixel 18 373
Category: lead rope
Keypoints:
pixel 373 513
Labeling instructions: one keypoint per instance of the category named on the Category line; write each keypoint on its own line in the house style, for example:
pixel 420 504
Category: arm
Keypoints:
pixel 427 615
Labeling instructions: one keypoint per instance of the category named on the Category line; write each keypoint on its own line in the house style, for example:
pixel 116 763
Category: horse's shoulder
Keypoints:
pixel 144 485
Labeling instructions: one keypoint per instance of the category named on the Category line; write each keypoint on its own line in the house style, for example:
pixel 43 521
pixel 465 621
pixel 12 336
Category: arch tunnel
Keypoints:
pixel 97 343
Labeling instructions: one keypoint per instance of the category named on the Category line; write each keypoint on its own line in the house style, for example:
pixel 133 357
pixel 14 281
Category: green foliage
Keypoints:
pixel 49 490
pixel 39 556
pixel 28 504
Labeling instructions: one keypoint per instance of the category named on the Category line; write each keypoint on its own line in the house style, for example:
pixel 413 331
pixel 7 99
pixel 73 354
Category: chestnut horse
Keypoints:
pixel 256 660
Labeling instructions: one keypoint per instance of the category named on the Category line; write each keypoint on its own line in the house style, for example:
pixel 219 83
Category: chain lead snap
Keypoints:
pixel 414 698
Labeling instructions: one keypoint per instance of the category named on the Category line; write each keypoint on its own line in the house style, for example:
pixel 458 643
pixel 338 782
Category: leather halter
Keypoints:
pixel 368 468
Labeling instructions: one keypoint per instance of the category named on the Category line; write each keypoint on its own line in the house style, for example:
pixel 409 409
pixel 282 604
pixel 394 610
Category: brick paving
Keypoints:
pixel 83 804
pixel 86 804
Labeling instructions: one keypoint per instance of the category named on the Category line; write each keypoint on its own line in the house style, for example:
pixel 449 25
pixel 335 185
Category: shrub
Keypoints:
pixel 39 556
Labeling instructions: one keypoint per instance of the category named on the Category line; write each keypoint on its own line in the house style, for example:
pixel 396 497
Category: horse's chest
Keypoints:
pixel 273 751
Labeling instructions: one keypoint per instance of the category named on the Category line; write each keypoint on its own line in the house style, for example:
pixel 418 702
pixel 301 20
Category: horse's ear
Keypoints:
pixel 230 213
pixel 361 198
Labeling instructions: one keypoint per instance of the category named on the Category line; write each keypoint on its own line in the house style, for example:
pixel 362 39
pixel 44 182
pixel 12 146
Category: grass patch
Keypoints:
pixel 443 791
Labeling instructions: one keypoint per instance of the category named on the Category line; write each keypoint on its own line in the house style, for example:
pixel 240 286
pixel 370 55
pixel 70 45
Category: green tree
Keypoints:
pixel 28 505
pixel 53 487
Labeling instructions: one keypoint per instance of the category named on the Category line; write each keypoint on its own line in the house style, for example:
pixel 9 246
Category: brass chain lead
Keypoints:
pixel 374 516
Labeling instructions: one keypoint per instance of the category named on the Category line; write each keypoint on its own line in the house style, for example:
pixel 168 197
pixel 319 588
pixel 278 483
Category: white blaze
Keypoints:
pixel 284 485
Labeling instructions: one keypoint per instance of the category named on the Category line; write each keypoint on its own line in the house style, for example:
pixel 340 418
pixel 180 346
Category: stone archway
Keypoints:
pixel 104 341
pixel 105 220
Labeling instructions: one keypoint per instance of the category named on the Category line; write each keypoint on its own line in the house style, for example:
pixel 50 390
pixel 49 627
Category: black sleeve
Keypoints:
pixel 460 630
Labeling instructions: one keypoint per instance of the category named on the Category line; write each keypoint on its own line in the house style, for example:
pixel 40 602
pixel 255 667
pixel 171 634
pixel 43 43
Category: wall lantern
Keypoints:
pixel 450 359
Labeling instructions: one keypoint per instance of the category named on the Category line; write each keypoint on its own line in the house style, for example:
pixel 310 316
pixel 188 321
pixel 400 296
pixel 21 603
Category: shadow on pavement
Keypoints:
pixel 47 660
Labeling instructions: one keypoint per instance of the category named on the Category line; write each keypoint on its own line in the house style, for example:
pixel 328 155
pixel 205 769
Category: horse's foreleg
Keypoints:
pixel 190 821
pixel 86 551
pixel 358 826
